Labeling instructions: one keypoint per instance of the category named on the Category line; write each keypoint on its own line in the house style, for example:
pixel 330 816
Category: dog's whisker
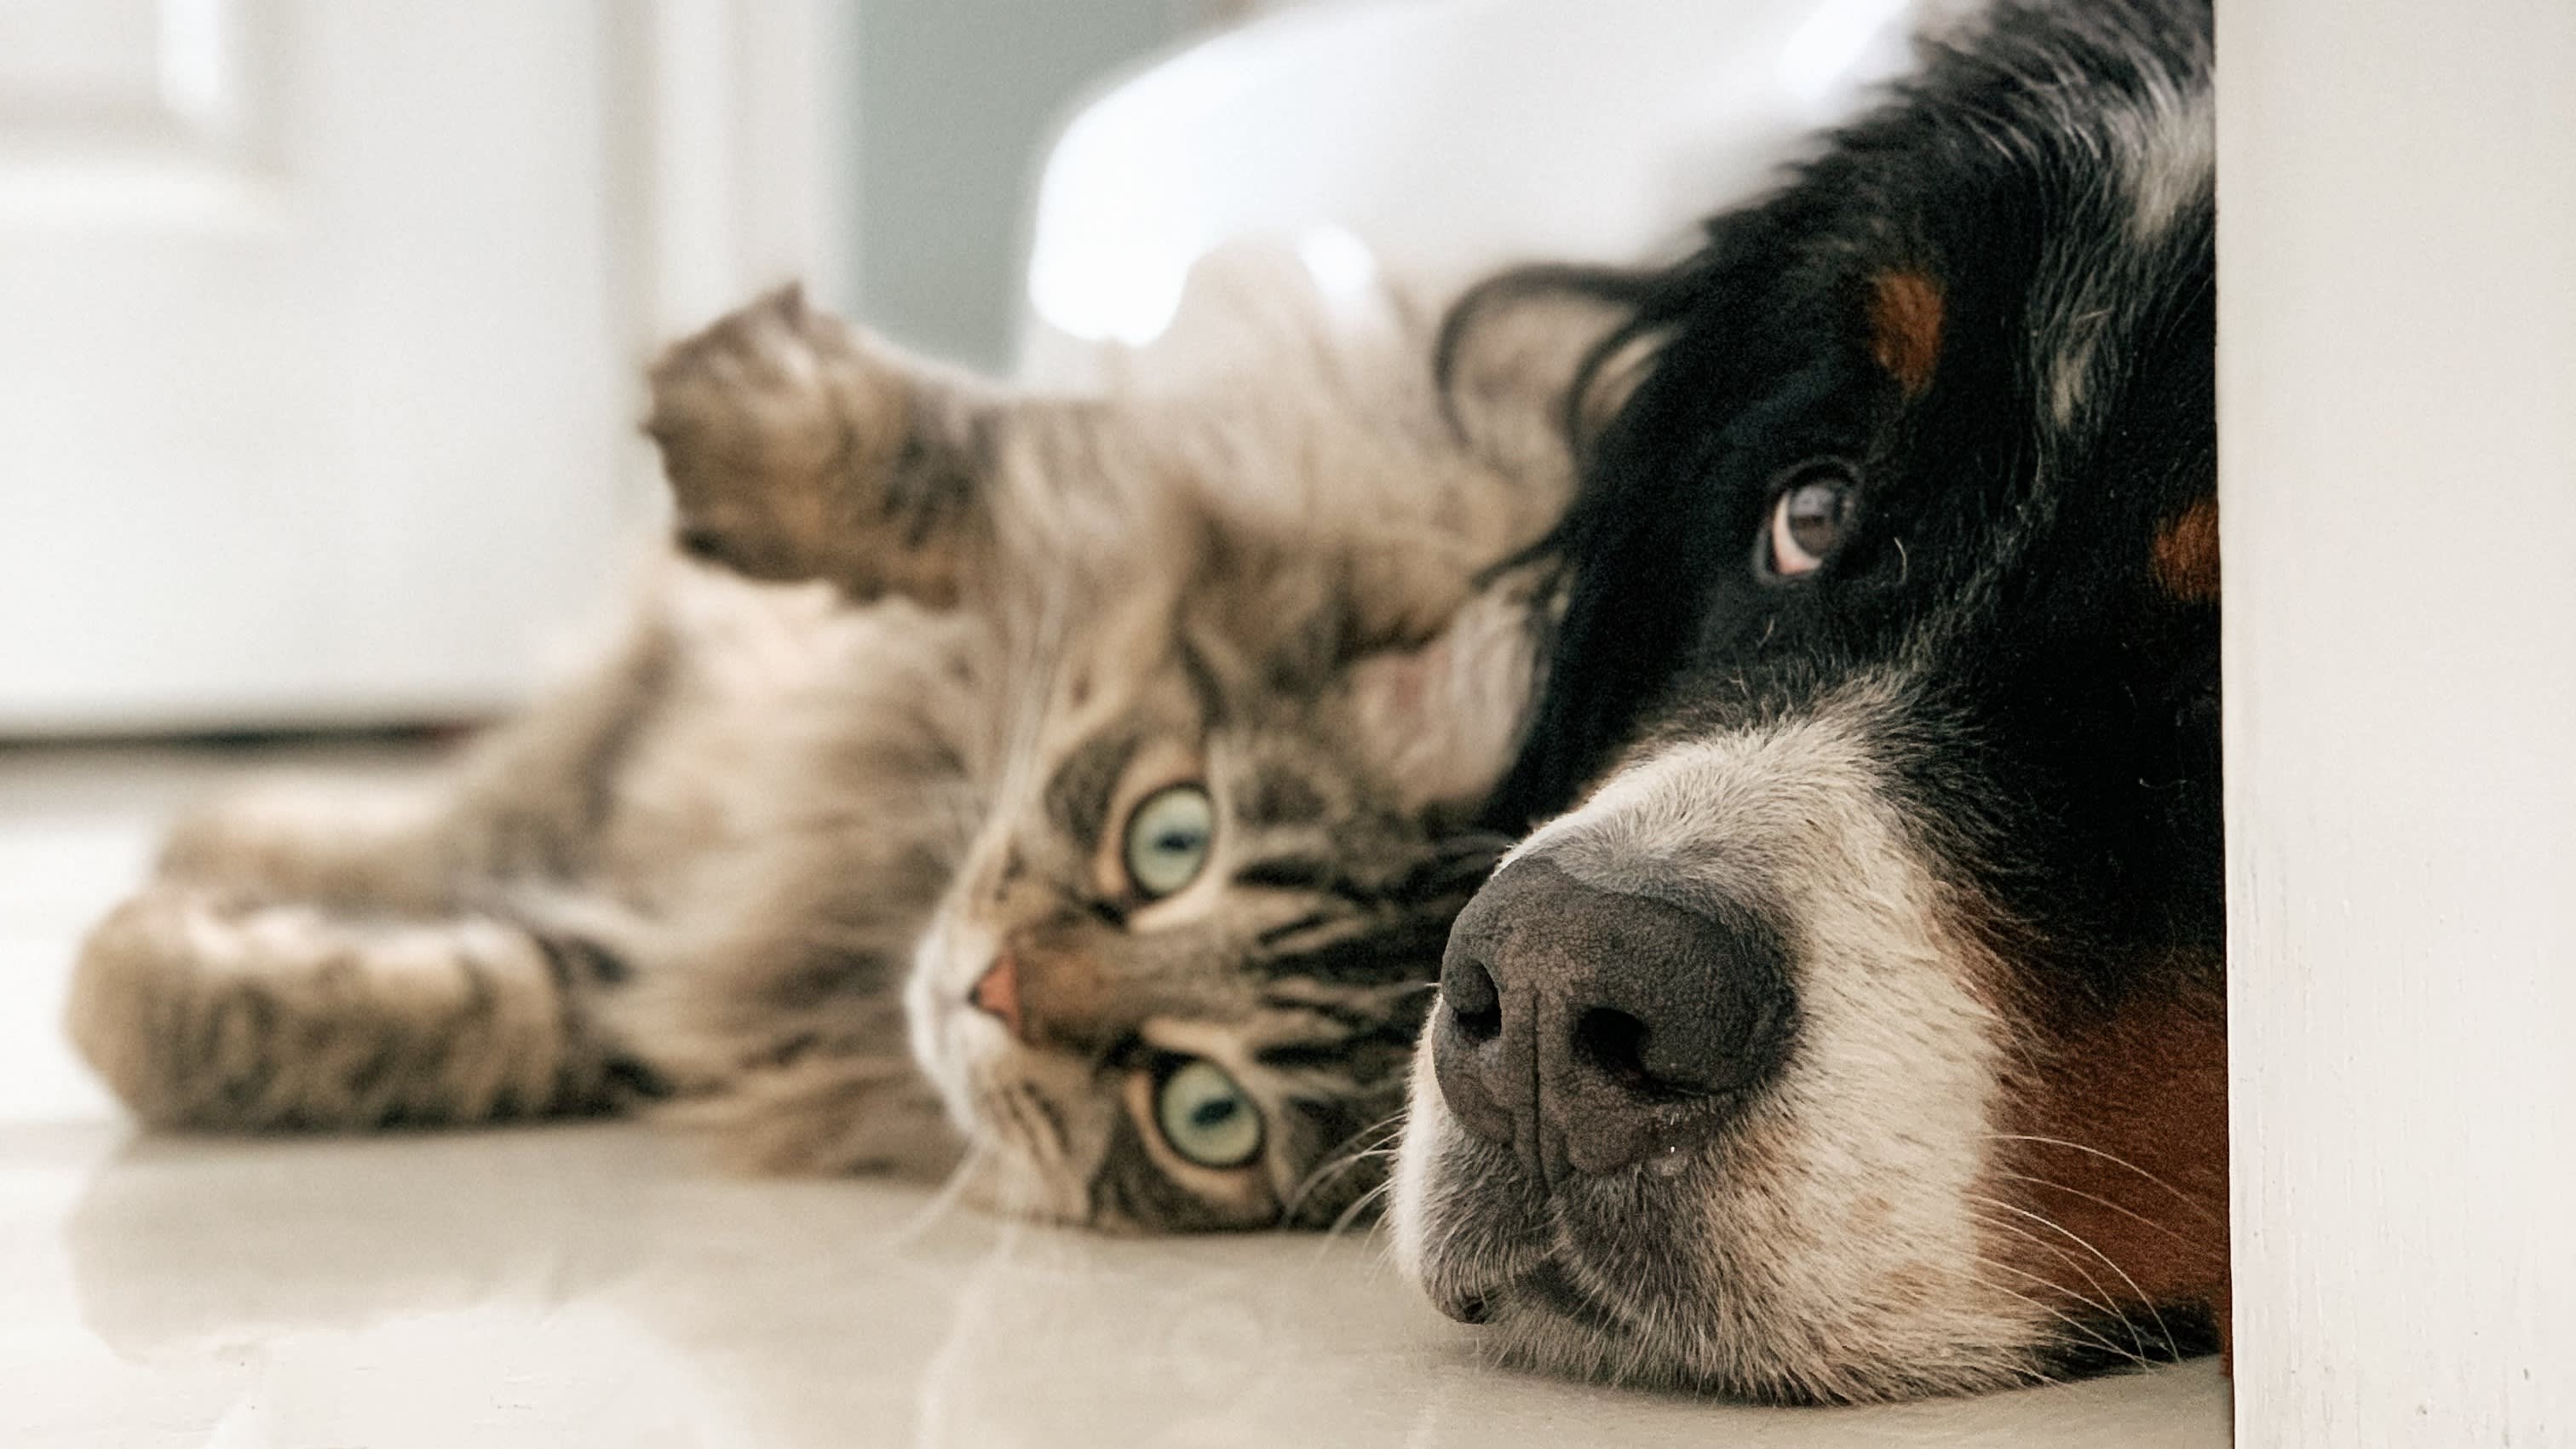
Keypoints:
pixel 2115 1160
pixel 2078 1325
pixel 2104 1302
pixel 2138 1217
pixel 2138 1293
pixel 2089 1330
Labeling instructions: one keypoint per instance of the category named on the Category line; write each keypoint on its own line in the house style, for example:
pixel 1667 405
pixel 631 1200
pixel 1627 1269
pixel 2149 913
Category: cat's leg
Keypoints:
pixel 799 448
pixel 207 1009
pixel 529 799
pixel 327 956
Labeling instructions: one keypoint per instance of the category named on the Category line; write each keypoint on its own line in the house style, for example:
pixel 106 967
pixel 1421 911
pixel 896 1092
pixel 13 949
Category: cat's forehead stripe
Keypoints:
pixel 1281 796
pixel 1077 798
pixel 1404 947
pixel 1204 685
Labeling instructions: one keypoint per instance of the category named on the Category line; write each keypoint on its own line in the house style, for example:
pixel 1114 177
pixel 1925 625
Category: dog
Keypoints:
pixel 1860 1033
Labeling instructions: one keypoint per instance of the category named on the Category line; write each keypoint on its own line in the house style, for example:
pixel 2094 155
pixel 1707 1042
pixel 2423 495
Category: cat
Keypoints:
pixel 1086 781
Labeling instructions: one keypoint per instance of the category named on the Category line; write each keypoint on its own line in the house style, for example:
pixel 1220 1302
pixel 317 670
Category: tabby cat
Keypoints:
pixel 1121 751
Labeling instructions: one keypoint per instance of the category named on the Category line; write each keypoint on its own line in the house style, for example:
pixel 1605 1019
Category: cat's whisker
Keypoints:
pixel 1340 1168
pixel 1351 1214
pixel 944 1200
pixel 1368 1144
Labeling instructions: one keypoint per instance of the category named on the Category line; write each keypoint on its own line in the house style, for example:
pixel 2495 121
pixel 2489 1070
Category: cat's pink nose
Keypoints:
pixel 997 992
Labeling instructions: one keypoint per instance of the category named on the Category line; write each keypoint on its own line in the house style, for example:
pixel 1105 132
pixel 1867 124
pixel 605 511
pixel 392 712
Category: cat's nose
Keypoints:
pixel 997 991
pixel 1592 1028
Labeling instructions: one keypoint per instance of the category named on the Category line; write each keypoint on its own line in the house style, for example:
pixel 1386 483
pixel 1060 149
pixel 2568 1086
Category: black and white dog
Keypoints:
pixel 1861 1033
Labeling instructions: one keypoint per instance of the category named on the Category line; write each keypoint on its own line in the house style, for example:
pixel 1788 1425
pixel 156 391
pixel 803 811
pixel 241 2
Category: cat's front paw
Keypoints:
pixel 797 449
pixel 204 1008
pixel 146 1008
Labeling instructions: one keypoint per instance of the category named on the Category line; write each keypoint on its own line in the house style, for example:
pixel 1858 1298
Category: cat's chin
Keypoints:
pixel 937 1023
pixel 969 1059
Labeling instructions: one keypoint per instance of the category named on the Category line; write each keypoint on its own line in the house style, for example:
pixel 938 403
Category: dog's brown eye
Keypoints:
pixel 1807 521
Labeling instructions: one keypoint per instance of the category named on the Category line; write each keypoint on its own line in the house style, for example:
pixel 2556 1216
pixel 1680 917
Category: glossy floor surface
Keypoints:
pixel 597 1285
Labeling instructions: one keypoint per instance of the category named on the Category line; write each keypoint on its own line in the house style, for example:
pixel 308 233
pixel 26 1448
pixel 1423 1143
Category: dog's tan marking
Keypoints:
pixel 2114 1154
pixel 1905 327
pixel 2186 554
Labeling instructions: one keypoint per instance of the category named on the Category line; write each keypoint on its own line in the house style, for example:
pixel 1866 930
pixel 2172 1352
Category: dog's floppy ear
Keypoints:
pixel 798 448
pixel 1443 717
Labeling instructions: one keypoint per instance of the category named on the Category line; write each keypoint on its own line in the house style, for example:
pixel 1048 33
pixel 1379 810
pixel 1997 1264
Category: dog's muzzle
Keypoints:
pixel 1591 1029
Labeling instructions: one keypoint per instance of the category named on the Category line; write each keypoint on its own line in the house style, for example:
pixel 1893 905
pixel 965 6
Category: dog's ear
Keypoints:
pixel 798 448
pixel 1442 718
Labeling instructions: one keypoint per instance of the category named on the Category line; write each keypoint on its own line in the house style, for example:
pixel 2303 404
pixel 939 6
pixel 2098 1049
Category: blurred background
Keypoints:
pixel 321 321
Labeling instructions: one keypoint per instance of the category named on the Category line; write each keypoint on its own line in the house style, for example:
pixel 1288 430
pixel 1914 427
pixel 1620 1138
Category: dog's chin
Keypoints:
pixel 1658 1277
pixel 1546 1326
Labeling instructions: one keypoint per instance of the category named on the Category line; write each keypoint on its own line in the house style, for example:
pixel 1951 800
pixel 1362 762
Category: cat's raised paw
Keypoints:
pixel 797 448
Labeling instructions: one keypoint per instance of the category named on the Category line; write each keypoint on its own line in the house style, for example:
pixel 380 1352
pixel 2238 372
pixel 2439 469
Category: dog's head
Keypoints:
pixel 1861 1033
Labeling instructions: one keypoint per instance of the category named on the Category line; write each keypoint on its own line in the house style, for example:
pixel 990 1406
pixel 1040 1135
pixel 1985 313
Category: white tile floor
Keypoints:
pixel 594 1285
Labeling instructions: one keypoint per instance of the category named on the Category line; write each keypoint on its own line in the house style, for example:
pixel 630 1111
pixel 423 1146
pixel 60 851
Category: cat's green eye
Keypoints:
pixel 1205 1117
pixel 1168 839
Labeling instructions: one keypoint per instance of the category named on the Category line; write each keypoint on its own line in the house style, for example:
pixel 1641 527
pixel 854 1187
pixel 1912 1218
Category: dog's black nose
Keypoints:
pixel 1593 1028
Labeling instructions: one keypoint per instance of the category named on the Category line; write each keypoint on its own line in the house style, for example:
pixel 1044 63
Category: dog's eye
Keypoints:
pixel 1808 520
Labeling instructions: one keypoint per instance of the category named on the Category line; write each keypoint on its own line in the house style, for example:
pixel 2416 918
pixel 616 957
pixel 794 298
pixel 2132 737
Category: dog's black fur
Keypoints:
pixel 2090 678
pixel 1988 310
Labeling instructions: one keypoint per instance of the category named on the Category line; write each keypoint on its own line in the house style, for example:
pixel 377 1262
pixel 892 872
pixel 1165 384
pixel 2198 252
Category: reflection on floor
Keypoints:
pixel 597 1285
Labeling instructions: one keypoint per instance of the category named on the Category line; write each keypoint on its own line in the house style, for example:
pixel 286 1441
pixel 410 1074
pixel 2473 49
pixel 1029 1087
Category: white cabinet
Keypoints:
pixel 320 325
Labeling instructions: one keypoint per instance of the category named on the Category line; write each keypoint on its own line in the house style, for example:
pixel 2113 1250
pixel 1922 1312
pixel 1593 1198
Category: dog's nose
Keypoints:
pixel 1592 1028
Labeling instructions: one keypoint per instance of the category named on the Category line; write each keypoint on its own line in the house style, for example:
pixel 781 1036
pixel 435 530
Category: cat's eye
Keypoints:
pixel 1169 835
pixel 1809 519
pixel 1206 1117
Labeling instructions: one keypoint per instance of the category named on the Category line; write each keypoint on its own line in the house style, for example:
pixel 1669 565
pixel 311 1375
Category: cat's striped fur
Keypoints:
pixel 705 875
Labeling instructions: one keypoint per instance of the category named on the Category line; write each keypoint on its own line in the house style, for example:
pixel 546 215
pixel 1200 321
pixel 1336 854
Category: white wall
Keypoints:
pixel 2397 423
pixel 322 323
pixel 315 379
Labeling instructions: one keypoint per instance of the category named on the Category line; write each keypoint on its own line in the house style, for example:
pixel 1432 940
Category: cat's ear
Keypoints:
pixel 1442 719
pixel 798 448
pixel 1529 358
